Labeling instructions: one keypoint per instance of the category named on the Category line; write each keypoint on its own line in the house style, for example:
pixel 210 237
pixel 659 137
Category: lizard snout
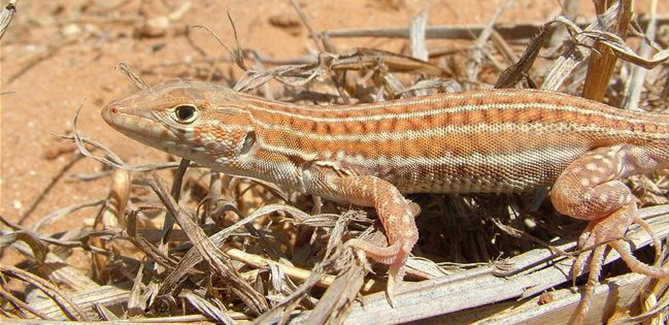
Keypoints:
pixel 111 111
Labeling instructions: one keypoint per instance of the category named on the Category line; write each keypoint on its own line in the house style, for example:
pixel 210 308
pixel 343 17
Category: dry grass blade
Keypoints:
pixel 237 55
pixel 418 25
pixel 634 86
pixel 60 213
pixel 111 215
pixel 103 295
pixel 112 159
pixel 175 192
pixel 206 308
pixel 653 309
pixel 147 247
pixel 304 72
pixel 477 54
pixel 192 257
pixel 39 248
pixel 22 307
pixel 519 70
pixel 307 25
pixel 321 49
pixel 600 68
pixel 623 51
pixel 563 66
pixel 570 10
pixel 280 312
pixel 364 58
pixel 211 254
pixel 6 16
pixel 72 310
pixel 333 306
pixel 135 78
pixel 139 297
pixel 46 239
pixel 59 271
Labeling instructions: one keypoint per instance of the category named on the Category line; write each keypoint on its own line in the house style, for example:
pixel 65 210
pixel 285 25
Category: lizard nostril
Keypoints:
pixel 113 110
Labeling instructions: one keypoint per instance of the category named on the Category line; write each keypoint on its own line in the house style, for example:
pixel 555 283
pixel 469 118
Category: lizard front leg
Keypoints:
pixel 394 210
pixel 589 189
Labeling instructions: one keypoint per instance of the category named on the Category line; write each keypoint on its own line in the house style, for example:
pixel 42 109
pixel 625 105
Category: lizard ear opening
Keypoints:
pixel 249 141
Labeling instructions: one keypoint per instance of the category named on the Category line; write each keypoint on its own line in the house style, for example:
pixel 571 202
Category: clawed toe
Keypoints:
pixel 593 244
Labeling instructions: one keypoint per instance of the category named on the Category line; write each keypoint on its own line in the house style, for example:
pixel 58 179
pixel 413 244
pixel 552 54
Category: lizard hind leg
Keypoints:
pixel 589 189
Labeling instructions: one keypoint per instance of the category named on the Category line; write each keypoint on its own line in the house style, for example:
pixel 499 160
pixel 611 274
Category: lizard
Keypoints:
pixel 373 154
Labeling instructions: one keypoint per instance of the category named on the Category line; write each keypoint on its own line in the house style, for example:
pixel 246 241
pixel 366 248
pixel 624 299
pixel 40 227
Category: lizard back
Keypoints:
pixel 471 142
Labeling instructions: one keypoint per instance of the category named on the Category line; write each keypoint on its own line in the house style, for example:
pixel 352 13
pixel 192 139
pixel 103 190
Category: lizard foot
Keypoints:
pixel 394 255
pixel 402 236
pixel 603 232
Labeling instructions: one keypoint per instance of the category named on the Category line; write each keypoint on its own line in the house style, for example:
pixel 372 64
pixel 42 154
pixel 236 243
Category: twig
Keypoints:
pixel 321 49
pixel 418 25
pixel 305 21
pixel 632 94
pixel 135 78
pixel 477 52
pixel 508 31
pixel 175 192
pixel 53 216
pixel 514 73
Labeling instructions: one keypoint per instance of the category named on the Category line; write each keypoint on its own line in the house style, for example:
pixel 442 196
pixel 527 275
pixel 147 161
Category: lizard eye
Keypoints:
pixel 185 113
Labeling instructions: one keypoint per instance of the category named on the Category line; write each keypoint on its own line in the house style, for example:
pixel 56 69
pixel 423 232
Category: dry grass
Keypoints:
pixel 214 248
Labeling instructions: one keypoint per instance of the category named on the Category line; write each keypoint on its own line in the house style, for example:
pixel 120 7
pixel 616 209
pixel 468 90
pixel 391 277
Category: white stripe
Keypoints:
pixel 467 129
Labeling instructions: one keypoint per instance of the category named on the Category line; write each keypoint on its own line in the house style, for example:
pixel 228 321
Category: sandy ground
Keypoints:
pixel 60 54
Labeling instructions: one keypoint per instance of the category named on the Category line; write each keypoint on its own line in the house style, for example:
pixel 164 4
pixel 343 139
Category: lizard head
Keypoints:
pixel 203 122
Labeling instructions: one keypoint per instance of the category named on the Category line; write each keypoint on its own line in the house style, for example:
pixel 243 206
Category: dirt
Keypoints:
pixel 60 55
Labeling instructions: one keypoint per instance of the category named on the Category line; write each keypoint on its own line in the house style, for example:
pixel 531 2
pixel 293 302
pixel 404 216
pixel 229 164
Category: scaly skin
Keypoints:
pixel 488 141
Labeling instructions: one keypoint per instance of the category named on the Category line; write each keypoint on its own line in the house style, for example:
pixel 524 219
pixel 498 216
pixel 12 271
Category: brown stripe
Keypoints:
pixel 490 116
